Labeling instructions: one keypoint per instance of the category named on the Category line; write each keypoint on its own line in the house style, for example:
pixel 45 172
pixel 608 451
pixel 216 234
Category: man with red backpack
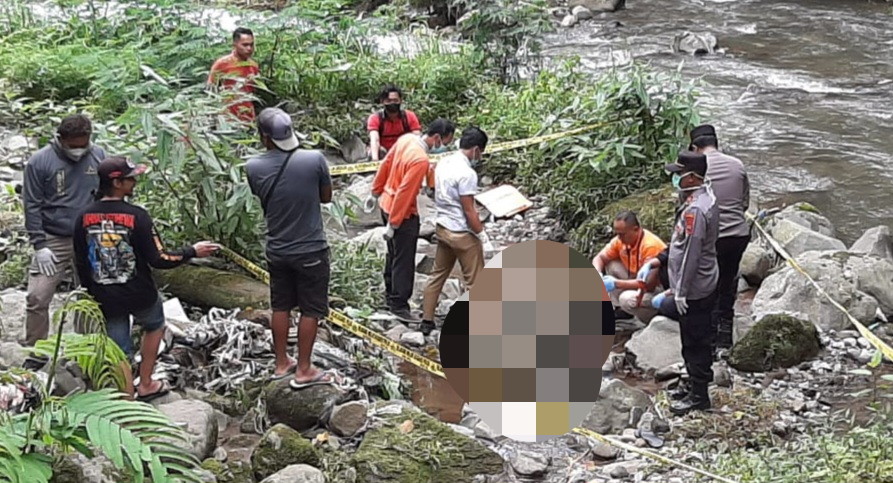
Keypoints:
pixel 390 123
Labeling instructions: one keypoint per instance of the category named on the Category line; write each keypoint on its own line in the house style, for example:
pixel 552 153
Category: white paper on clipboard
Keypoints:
pixel 504 201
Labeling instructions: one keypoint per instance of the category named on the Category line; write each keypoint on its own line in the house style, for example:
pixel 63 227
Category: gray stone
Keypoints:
pixel 301 409
pixel 297 474
pixel 656 346
pixel 797 239
pixel 788 291
pixel 347 419
pixel 12 355
pixel 755 264
pixel 362 189
pixel 396 332
pixel 721 376
pixel 413 338
pixel 875 241
pixel 12 314
pixel 527 463
pixel 806 215
pixel 168 398
pixel 66 383
pixel 568 21
pixel 353 149
pixel 598 5
pixel 280 448
pixel 374 239
pixel 874 276
pixel 605 451
pixel 610 414
pixel 694 43
pixel 581 12
pixel 199 422
pixel 16 143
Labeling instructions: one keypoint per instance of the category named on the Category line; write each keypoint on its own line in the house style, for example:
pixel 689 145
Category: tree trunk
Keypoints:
pixel 209 287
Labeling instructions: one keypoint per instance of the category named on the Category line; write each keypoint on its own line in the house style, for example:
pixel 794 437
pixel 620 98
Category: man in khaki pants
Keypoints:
pixel 60 181
pixel 460 234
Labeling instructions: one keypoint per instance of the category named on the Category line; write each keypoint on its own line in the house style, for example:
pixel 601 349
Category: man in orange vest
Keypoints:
pixel 237 70
pixel 397 183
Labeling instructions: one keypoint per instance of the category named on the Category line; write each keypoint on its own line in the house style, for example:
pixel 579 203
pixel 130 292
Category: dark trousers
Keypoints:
pixel 399 266
pixel 728 256
pixel 696 329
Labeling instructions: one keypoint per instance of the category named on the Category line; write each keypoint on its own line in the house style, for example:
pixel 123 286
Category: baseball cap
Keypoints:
pixel 702 130
pixel 689 162
pixel 119 167
pixel 276 123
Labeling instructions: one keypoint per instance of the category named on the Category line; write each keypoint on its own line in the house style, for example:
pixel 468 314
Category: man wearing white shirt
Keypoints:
pixel 460 233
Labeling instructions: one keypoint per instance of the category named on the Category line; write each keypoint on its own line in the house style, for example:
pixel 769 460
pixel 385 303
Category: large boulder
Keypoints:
pixel 756 262
pixel 12 314
pixel 806 215
pixel 423 450
pixel 776 341
pixel 198 421
pixel 656 346
pixel 210 287
pixel 797 239
pixel 610 414
pixel 850 279
pixel 875 241
pixel 297 474
pixel 694 43
pixel 299 409
pixel 280 447
pixel 598 5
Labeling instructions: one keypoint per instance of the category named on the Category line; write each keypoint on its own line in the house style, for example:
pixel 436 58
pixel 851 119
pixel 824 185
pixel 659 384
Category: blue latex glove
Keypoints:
pixel 610 283
pixel 643 272
pixel 658 299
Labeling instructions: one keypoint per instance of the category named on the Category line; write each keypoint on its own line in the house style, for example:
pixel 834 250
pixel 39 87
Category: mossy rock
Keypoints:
pixel 776 341
pixel 430 452
pixel 231 472
pixel 210 287
pixel 808 207
pixel 282 446
pixel 655 208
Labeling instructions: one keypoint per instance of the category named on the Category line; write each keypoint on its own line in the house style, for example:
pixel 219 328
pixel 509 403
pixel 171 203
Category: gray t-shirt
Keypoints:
pixel 293 213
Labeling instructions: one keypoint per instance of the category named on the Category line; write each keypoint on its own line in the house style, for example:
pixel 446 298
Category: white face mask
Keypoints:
pixel 76 153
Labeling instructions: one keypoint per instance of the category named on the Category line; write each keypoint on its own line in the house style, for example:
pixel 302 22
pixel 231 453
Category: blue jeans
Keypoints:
pixel 150 318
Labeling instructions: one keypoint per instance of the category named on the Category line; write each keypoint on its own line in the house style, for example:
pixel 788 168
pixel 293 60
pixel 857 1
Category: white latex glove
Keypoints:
pixel 681 305
pixel 485 240
pixel 389 234
pixel 46 261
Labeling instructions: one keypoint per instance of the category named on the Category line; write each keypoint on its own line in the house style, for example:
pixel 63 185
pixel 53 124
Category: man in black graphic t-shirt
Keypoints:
pixel 115 244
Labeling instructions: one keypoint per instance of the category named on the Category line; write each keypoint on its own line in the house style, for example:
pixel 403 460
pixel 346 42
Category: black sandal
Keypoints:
pixel 163 390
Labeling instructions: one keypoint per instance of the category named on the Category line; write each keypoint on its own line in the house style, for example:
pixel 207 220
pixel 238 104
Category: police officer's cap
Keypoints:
pixel 702 130
pixel 689 162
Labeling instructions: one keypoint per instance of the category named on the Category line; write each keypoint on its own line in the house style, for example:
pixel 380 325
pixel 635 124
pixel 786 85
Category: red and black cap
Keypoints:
pixel 119 167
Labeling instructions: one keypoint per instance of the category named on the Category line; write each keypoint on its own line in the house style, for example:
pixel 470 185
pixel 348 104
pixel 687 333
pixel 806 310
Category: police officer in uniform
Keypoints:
pixel 694 275
pixel 730 184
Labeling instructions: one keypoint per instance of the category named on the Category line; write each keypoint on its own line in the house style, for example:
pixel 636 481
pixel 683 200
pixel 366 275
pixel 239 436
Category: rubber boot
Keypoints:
pixel 697 400
pixel 680 391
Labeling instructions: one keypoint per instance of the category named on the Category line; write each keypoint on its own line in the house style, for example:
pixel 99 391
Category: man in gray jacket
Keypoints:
pixel 694 275
pixel 732 189
pixel 60 180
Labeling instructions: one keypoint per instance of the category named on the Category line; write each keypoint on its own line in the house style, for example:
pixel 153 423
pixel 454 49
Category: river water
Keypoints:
pixel 801 91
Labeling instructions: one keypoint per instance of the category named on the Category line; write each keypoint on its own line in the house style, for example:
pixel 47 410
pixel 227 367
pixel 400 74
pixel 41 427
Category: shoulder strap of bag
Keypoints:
pixel 276 180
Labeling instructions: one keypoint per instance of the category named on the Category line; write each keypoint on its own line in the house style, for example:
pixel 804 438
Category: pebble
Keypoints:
pixel 413 338
pixel 864 343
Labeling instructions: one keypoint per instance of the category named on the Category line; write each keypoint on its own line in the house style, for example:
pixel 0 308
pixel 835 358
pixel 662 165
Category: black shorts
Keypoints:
pixel 300 281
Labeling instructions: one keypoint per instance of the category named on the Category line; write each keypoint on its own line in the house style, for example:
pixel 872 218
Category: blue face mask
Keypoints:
pixel 440 149
pixel 676 180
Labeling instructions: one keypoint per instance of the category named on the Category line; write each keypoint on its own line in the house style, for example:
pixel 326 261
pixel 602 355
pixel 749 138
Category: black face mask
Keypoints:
pixel 392 108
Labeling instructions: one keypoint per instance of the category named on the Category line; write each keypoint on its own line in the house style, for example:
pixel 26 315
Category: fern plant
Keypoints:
pixel 136 437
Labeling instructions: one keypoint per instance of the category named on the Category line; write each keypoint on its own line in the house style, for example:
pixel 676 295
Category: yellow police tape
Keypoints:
pixel 347 323
pixel 371 166
pixel 873 339
pixel 435 368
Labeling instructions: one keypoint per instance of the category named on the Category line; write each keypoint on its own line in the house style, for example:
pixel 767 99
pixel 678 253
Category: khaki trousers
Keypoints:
pixel 42 288
pixel 452 246
pixel 626 299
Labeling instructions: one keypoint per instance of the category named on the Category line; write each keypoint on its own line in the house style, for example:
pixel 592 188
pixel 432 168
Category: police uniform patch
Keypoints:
pixel 689 223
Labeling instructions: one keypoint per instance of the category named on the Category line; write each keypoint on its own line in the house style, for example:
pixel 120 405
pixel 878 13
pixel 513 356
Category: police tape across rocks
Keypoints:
pixel 435 368
pixel 372 166
pixel 869 335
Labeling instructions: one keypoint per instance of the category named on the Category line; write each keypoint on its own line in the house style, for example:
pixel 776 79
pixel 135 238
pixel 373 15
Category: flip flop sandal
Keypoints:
pixel 652 439
pixel 323 378
pixel 288 372
pixel 164 389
